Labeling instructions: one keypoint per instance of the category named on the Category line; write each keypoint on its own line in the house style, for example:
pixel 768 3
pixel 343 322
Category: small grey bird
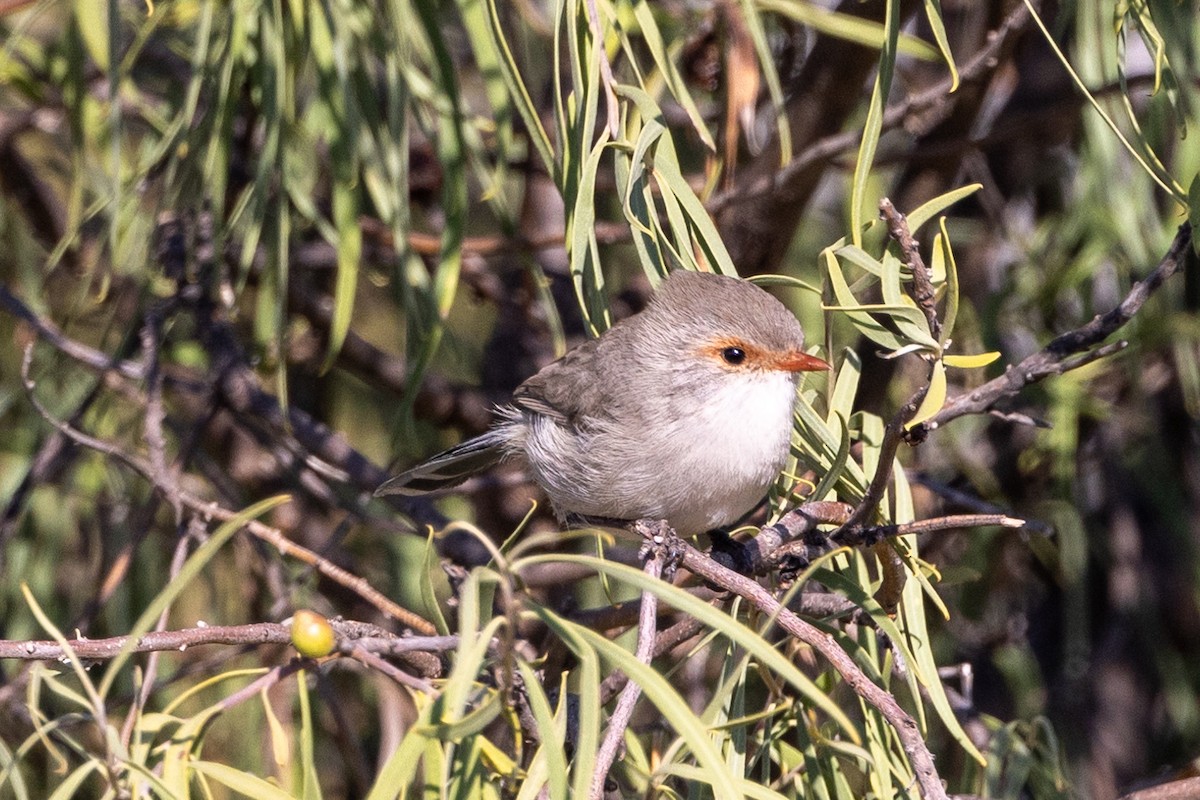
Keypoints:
pixel 681 412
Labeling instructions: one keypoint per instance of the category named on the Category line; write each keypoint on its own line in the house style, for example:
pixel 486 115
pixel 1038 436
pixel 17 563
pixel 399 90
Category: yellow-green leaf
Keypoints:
pixel 935 398
pixel 971 361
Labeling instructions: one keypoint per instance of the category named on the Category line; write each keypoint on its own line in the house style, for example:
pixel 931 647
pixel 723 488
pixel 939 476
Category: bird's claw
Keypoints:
pixel 659 540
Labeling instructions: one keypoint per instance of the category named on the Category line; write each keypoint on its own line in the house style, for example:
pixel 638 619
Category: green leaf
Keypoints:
pixel 848 27
pixel 1193 204
pixel 674 81
pixel 195 563
pixel 657 690
pixel 933 14
pixel 873 127
pixel 950 317
pixel 241 782
pixel 511 74
pixel 551 729
pixel 931 208
pixel 866 324
pixel 716 620
pixel 935 397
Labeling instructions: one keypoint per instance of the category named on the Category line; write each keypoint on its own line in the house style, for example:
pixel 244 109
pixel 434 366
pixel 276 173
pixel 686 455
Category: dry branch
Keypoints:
pixel 1069 351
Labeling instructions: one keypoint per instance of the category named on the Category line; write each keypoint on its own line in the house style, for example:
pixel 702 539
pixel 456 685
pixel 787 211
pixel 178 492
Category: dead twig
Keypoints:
pixel 211 510
pixel 750 590
pixel 1069 351
pixel 656 559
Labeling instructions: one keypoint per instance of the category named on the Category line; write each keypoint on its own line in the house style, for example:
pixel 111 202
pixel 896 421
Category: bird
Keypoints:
pixel 681 412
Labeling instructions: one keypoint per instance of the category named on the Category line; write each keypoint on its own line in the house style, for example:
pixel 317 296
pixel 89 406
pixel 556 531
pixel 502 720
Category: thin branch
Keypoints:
pixel 1063 353
pixel 893 435
pixel 211 510
pixel 1185 789
pixel 350 635
pixel 614 735
pixel 750 590
pixel 829 147
pixel 922 290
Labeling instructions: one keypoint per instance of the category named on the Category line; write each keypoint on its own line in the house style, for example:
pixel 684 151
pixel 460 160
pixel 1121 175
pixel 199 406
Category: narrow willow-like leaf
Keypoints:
pixel 310 785
pixel 833 472
pixel 281 749
pixel 823 446
pixel 934 398
pixel 718 621
pixel 670 178
pixel 771 279
pixel 589 700
pixel 950 316
pixel 854 592
pixel 196 562
pixel 451 149
pixel 72 784
pixel 912 620
pixel 861 259
pixel 934 206
pixel 550 732
pixel 937 26
pixel 849 27
pixel 873 126
pixel 1165 182
pixel 674 81
pixel 864 322
pixel 94 700
pixel 973 361
pixel 349 251
pixel 649 135
pixel 845 388
pixel 520 94
pixel 766 61
pixel 243 783
pixel 752 790
pixel 582 248
pixel 401 766
pixel 657 690
pixel 912 323
pixel 639 209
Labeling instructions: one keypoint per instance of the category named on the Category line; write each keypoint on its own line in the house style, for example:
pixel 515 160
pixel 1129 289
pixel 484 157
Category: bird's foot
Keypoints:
pixel 660 540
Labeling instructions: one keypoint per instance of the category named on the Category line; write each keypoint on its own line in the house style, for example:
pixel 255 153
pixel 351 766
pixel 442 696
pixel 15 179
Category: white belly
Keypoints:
pixel 700 470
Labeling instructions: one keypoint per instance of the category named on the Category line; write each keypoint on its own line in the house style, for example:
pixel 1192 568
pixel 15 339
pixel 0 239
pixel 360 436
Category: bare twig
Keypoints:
pixel 829 147
pixel 656 556
pixel 893 435
pixel 922 283
pixel 1063 353
pixel 211 510
pixel 808 549
pixel 371 660
pixel 750 590
pixel 1185 789
pixel 350 635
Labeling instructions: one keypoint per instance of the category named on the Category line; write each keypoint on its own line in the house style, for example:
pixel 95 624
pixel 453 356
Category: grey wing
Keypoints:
pixel 448 468
pixel 567 390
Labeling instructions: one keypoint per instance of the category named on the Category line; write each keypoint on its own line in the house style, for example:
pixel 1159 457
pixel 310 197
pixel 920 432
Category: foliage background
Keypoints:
pixel 361 194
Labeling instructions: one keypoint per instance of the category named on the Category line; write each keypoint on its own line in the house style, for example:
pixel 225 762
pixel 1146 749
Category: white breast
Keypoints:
pixel 700 469
pixel 741 443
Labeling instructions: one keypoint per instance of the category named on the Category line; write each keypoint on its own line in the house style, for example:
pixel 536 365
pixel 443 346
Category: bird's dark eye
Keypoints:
pixel 733 355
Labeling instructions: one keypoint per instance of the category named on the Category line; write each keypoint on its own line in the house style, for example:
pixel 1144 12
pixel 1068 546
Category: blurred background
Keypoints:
pixel 318 241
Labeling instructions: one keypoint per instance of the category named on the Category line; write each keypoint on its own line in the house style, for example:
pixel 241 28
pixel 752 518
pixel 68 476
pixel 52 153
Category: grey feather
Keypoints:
pixel 449 468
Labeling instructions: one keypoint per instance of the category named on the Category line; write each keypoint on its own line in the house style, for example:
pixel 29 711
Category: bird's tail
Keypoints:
pixel 448 468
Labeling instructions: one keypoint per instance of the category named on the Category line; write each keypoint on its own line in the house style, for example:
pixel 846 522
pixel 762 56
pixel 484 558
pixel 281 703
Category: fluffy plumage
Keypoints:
pixel 681 412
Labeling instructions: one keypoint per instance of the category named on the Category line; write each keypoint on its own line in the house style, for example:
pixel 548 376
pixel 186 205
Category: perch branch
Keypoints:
pixel 656 557
pixel 750 590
